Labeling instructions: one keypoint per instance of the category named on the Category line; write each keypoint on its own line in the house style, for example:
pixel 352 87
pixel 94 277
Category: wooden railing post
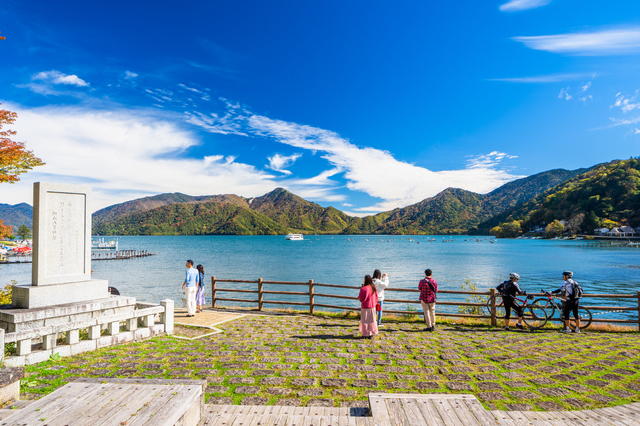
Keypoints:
pixel 311 297
pixel 213 291
pixel 260 285
pixel 492 296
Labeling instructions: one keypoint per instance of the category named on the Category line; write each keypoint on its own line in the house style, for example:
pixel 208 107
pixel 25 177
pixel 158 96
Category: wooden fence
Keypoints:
pixel 311 293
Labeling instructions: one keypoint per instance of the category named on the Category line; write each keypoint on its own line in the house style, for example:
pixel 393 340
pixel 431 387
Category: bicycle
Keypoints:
pixel 534 316
pixel 549 305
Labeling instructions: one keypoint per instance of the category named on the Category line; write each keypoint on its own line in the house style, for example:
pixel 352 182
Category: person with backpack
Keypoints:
pixel 573 292
pixel 509 290
pixel 428 294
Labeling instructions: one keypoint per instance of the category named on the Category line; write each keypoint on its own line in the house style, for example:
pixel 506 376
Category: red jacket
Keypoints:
pixel 368 297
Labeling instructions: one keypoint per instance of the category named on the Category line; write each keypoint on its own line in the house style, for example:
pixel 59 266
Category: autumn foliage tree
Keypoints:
pixel 5 231
pixel 14 157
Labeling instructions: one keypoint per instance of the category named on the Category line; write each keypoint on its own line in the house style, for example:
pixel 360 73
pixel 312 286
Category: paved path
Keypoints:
pixel 206 318
pixel 310 361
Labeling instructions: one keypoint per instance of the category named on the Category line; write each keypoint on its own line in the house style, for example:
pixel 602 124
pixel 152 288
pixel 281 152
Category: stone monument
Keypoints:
pixel 61 270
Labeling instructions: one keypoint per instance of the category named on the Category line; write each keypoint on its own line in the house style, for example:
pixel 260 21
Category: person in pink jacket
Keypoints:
pixel 368 300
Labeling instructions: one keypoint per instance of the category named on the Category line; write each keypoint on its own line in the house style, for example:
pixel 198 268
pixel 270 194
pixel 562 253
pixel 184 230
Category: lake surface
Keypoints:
pixel 336 260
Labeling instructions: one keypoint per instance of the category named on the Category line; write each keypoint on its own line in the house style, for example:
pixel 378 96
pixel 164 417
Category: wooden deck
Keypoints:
pixel 465 410
pixel 130 402
pixel 274 415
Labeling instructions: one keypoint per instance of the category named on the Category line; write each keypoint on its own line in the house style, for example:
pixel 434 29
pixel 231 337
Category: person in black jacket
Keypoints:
pixel 509 290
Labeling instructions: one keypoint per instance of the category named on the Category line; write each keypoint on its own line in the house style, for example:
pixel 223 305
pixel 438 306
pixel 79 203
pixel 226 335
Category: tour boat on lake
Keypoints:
pixel 294 237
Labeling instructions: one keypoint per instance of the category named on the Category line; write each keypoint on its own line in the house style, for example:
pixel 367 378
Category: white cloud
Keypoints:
pixel 626 103
pixel 597 43
pixel 279 163
pixel 564 94
pixel 377 172
pixel 585 86
pixel 56 77
pixel 551 78
pixel 130 75
pixel 124 154
pixel 517 5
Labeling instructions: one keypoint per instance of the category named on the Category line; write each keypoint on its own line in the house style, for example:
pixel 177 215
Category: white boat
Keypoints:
pixel 294 237
pixel 101 244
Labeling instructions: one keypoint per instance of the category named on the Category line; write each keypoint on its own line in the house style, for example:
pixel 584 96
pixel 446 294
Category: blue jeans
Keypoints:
pixel 379 313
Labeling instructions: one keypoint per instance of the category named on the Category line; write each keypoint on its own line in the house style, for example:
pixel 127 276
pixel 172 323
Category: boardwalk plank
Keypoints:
pixel 429 412
pixel 379 411
pixel 503 418
pixel 396 412
pixel 462 411
pixel 412 411
pixel 446 412
pixel 483 416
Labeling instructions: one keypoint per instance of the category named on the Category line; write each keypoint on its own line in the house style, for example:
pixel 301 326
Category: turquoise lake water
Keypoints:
pixel 336 260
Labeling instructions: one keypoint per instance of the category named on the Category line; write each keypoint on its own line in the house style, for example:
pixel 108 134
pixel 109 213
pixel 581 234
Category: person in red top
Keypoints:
pixel 428 289
pixel 368 300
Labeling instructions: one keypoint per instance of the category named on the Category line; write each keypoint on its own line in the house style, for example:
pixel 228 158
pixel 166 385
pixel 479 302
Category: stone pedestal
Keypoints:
pixel 33 297
pixel 15 320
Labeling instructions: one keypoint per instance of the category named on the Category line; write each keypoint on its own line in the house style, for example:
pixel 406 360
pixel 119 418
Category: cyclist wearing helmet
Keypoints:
pixel 571 304
pixel 509 290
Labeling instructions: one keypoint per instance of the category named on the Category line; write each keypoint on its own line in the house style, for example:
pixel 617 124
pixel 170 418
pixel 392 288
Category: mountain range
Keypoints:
pixel 453 211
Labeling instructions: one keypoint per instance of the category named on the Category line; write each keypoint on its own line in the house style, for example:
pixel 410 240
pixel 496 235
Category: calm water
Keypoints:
pixel 335 260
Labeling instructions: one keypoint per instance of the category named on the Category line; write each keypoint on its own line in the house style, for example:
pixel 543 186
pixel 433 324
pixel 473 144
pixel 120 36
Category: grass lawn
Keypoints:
pixel 320 360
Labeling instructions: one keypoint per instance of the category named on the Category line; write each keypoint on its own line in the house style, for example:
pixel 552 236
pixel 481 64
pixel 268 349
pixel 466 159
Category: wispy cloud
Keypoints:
pixel 564 94
pixel 48 82
pixel 626 103
pixel 111 151
pixel 518 5
pixel 56 77
pixel 372 171
pixel 597 43
pixel 128 75
pixel 279 163
pixel 551 78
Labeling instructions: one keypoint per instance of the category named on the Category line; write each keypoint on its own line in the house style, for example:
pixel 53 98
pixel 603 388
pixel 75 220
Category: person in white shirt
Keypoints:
pixel 381 281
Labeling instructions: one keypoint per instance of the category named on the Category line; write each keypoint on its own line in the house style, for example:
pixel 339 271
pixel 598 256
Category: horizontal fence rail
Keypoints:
pixel 492 295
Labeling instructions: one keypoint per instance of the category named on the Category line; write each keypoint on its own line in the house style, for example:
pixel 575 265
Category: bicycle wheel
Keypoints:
pixel 500 312
pixel 585 318
pixel 534 316
pixel 545 304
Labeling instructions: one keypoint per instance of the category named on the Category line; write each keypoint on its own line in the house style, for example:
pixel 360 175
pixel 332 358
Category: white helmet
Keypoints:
pixel 568 274
pixel 514 276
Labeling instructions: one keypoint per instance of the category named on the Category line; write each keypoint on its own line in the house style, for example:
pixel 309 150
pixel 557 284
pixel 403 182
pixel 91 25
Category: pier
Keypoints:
pixel 114 255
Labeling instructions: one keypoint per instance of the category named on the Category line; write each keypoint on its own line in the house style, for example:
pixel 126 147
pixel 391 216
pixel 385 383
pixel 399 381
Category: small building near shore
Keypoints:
pixel 600 231
pixel 627 231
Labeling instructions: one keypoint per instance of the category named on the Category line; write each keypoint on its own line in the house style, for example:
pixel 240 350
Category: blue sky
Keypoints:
pixel 363 105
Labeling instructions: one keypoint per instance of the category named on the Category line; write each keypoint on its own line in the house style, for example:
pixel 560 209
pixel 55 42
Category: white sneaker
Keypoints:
pixel 576 330
pixel 566 330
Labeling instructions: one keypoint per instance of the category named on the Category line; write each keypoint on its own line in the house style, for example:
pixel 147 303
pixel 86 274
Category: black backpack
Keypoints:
pixel 577 291
pixel 505 287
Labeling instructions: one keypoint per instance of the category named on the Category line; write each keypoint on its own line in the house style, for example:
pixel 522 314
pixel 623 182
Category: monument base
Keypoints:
pixel 39 296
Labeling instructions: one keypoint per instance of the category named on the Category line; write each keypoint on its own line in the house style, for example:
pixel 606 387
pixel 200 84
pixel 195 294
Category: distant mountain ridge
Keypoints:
pixel 16 215
pixel 453 211
pixel 605 192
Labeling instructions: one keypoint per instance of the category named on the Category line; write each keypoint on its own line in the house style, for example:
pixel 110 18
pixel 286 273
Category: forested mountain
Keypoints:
pixel 191 218
pixel 16 215
pixel 607 192
pixel 150 203
pixel 453 211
